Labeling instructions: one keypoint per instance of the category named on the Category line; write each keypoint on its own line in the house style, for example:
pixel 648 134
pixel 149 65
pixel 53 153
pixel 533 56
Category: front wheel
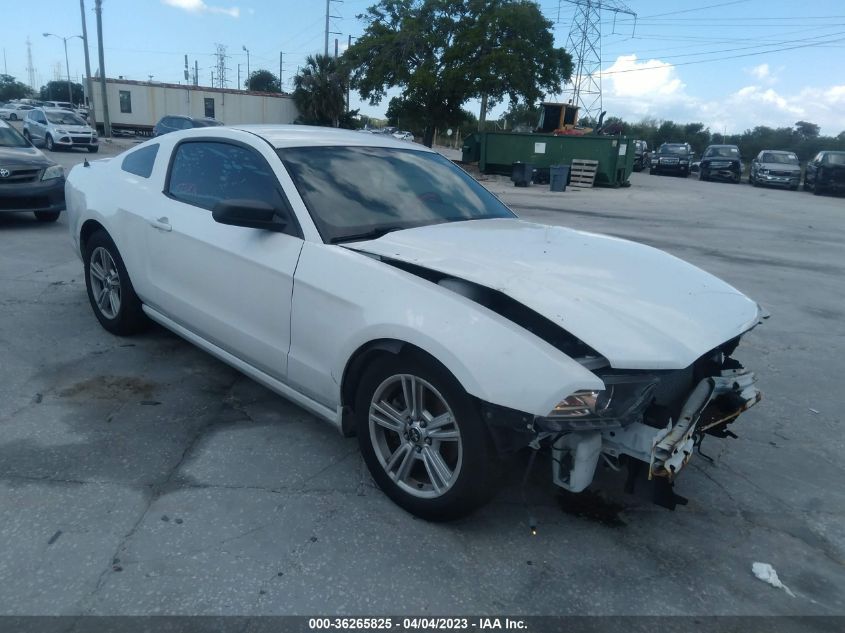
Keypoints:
pixel 48 142
pixel 422 438
pixel 110 290
pixel 13 117
pixel 93 148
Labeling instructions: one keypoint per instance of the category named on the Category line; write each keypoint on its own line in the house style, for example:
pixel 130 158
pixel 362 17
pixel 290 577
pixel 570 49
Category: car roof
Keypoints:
pixel 280 136
pixel 776 151
pixel 720 145
pixel 833 151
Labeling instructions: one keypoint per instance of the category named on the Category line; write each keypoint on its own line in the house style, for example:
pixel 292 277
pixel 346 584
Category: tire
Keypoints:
pixel 27 136
pixel 13 117
pixel 94 149
pixel 443 479
pixel 48 143
pixel 652 171
pixel 121 311
pixel 702 177
pixel 817 191
pixel 47 216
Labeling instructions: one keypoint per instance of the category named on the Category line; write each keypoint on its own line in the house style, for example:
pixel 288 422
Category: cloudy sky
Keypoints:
pixel 731 64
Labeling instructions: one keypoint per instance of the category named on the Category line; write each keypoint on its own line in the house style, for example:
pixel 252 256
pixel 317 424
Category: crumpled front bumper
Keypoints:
pixel 714 403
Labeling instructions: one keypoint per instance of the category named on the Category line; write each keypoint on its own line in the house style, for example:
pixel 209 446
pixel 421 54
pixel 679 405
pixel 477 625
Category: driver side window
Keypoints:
pixel 202 173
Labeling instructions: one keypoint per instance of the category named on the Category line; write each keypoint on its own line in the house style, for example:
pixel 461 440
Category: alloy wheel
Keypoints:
pixel 415 436
pixel 105 282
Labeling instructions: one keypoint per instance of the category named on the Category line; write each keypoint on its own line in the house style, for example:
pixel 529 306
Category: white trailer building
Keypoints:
pixel 138 105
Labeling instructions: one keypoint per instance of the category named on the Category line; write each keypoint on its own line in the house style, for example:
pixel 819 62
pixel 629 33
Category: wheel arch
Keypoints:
pixel 362 358
pixel 89 227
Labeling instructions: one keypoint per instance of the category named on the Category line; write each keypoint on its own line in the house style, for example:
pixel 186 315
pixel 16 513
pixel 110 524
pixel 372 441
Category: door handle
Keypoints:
pixel 162 224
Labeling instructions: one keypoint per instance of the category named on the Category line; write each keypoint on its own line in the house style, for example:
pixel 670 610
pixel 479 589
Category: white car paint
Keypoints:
pixel 601 289
pixel 291 312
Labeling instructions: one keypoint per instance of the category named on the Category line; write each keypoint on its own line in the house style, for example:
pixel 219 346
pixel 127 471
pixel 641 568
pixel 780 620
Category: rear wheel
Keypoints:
pixel 13 117
pixel 422 438
pixel 110 290
pixel 46 216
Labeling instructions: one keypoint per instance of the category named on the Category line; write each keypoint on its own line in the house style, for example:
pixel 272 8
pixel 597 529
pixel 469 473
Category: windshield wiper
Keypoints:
pixel 372 234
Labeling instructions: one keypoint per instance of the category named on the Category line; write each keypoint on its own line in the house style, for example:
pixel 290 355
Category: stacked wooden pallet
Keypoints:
pixel 583 172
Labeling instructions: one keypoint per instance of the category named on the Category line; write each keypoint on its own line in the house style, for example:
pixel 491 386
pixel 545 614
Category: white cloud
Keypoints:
pixel 629 78
pixel 654 89
pixel 198 6
pixel 761 72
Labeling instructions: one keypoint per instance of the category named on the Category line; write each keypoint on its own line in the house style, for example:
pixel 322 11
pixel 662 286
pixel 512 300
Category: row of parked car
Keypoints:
pixel 17 110
pixel 825 172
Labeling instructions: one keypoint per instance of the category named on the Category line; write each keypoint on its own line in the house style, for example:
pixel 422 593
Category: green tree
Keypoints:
pixel 521 116
pixel 508 50
pixel 11 88
pixel 57 91
pixel 805 129
pixel 320 91
pixel 437 52
pixel 262 81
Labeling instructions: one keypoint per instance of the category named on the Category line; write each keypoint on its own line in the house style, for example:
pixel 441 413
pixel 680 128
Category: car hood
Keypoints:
pixel 637 306
pixel 780 167
pixel 23 156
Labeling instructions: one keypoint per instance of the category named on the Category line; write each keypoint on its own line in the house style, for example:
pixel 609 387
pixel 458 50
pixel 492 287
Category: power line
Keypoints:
pixel 717 59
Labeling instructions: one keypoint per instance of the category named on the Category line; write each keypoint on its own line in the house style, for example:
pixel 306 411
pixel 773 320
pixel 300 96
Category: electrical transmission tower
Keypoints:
pixel 30 69
pixel 584 44
pixel 221 65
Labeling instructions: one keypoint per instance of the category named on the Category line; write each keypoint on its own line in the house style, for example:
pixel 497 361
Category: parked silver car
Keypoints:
pixel 55 129
pixel 775 167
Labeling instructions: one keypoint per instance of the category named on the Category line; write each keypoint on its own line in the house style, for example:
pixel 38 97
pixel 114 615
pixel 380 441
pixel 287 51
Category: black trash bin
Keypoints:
pixel 558 177
pixel 522 174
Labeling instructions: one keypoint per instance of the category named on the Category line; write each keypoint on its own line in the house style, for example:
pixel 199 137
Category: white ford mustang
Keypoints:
pixel 380 287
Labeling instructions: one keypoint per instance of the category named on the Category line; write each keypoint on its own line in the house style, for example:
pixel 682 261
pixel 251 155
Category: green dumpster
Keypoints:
pixel 498 151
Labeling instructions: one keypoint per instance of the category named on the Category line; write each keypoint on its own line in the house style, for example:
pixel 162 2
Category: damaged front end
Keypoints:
pixel 647 421
pixel 657 422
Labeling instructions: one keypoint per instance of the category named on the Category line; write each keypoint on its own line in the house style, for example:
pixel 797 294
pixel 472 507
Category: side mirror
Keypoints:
pixel 254 214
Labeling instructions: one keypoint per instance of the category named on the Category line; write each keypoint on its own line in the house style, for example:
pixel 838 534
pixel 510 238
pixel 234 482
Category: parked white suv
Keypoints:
pixel 54 129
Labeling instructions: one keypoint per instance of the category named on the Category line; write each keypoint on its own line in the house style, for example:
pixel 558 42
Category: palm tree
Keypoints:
pixel 320 91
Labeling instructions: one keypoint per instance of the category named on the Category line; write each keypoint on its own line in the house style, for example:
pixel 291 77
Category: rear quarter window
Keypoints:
pixel 141 161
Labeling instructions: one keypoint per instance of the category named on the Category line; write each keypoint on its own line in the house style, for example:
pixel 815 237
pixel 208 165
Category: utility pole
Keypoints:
pixel 98 9
pixel 5 66
pixel 67 63
pixel 247 62
pixel 328 32
pixel 348 79
pixel 335 48
pixel 239 76
pixel 196 73
pixel 280 72
pixel 92 118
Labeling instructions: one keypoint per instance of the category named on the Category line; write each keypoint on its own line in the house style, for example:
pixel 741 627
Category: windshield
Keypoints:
pixel 672 149
pixel 836 158
pixel 64 118
pixel 779 157
pixel 10 137
pixel 721 152
pixel 362 192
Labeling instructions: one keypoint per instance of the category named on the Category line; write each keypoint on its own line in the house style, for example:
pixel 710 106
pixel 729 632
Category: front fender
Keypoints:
pixel 344 299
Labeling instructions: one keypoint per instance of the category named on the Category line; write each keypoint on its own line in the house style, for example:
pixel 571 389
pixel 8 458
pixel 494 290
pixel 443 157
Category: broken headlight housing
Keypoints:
pixel 582 404
pixel 621 402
